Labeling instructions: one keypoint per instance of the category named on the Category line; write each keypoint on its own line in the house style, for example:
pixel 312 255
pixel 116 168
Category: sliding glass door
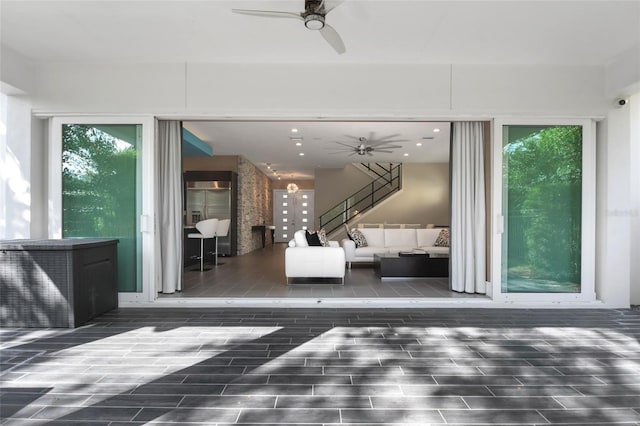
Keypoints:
pixel 97 169
pixel 101 191
pixel 545 228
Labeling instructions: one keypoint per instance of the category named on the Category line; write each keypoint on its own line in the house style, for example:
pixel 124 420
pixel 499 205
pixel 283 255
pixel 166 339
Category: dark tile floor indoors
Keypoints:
pixel 327 367
pixel 261 274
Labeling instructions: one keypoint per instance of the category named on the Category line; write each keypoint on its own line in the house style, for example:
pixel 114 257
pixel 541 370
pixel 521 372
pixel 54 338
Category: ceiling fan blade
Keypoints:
pixel 333 38
pixel 369 153
pixel 395 135
pixel 388 142
pixel 386 152
pixel 387 147
pixel 329 5
pixel 345 144
pixel 268 13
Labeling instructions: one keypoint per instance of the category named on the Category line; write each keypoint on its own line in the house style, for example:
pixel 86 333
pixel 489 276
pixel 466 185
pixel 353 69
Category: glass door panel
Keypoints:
pixel 101 190
pixel 541 209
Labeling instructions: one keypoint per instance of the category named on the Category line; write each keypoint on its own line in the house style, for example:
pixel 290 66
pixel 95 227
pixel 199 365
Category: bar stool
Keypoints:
pixel 222 231
pixel 206 230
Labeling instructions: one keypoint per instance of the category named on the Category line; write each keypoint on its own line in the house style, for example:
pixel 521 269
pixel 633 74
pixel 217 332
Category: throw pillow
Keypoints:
pixel 313 239
pixel 322 235
pixel 443 238
pixel 358 238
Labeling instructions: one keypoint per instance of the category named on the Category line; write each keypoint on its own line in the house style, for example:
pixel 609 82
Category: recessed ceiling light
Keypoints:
pixel 294 130
pixel 406 154
pixel 279 178
pixel 298 143
pixel 436 130
pixel 301 154
pixel 419 144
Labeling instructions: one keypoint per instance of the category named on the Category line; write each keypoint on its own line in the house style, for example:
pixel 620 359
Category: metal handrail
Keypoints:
pixel 362 200
pixel 385 171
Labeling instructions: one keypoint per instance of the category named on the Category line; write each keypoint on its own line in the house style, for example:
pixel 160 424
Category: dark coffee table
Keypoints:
pixel 392 265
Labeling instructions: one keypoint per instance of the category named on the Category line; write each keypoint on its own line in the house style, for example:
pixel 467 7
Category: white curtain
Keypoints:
pixel 169 230
pixel 468 228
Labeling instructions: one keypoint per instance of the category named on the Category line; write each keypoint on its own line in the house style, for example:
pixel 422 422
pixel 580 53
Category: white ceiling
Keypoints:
pixel 569 32
pixel 374 31
pixel 271 142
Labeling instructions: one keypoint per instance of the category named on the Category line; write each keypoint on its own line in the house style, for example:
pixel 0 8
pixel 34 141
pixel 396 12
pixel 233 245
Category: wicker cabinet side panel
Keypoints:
pixel 34 289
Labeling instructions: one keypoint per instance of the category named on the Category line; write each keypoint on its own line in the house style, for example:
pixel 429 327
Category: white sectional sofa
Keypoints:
pixel 383 240
pixel 303 261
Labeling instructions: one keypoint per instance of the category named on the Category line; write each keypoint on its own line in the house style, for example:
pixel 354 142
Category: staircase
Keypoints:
pixel 388 180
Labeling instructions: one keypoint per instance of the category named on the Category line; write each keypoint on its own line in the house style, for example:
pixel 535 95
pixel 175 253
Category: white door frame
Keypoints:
pixel 147 215
pixel 588 227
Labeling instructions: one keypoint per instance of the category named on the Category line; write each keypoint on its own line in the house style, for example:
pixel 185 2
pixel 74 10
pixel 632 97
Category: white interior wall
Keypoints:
pixel 634 213
pixel 602 169
pixel 613 261
pixel 16 171
pixel 424 198
pixel 38 183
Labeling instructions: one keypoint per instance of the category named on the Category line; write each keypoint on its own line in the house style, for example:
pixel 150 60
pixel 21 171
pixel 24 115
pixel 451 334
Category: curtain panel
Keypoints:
pixel 168 224
pixel 468 228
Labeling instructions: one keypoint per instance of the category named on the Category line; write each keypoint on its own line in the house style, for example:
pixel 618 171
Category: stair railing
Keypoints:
pixel 362 200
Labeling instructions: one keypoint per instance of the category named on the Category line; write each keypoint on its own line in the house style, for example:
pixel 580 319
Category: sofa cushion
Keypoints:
pixel 400 237
pixel 398 249
pixel 374 236
pixel 370 251
pixel 443 238
pixel 300 237
pixel 427 237
pixel 358 237
pixel 432 250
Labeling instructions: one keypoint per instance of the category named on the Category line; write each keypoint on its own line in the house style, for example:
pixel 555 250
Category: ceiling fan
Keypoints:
pixel 365 146
pixel 313 17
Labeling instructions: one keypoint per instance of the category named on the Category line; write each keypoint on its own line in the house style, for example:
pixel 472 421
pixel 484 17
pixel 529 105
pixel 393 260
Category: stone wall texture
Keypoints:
pixel 255 203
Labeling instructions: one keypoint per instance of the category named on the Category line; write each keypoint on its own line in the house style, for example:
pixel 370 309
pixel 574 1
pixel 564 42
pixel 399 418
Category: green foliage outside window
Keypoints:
pixel 543 168
pixel 99 191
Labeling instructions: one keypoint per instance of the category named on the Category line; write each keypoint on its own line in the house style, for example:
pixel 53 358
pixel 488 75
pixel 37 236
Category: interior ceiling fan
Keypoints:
pixel 364 146
pixel 313 17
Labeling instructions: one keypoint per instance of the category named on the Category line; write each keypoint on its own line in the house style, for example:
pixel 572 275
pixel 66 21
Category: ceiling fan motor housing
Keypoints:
pixel 313 14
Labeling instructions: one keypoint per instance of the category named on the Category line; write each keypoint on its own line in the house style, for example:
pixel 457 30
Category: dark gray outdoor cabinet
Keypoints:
pixel 57 283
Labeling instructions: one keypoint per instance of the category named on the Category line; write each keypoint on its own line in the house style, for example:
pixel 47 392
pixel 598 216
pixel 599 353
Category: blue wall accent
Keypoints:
pixel 192 146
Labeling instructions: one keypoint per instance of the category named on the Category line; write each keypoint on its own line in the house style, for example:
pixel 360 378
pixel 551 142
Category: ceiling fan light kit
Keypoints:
pixel 313 21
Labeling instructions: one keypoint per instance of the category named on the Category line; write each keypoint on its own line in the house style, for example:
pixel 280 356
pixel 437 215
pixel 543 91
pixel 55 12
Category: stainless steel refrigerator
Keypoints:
pixel 206 198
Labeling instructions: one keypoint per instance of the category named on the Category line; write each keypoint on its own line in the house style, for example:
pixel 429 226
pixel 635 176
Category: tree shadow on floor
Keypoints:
pixel 330 366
